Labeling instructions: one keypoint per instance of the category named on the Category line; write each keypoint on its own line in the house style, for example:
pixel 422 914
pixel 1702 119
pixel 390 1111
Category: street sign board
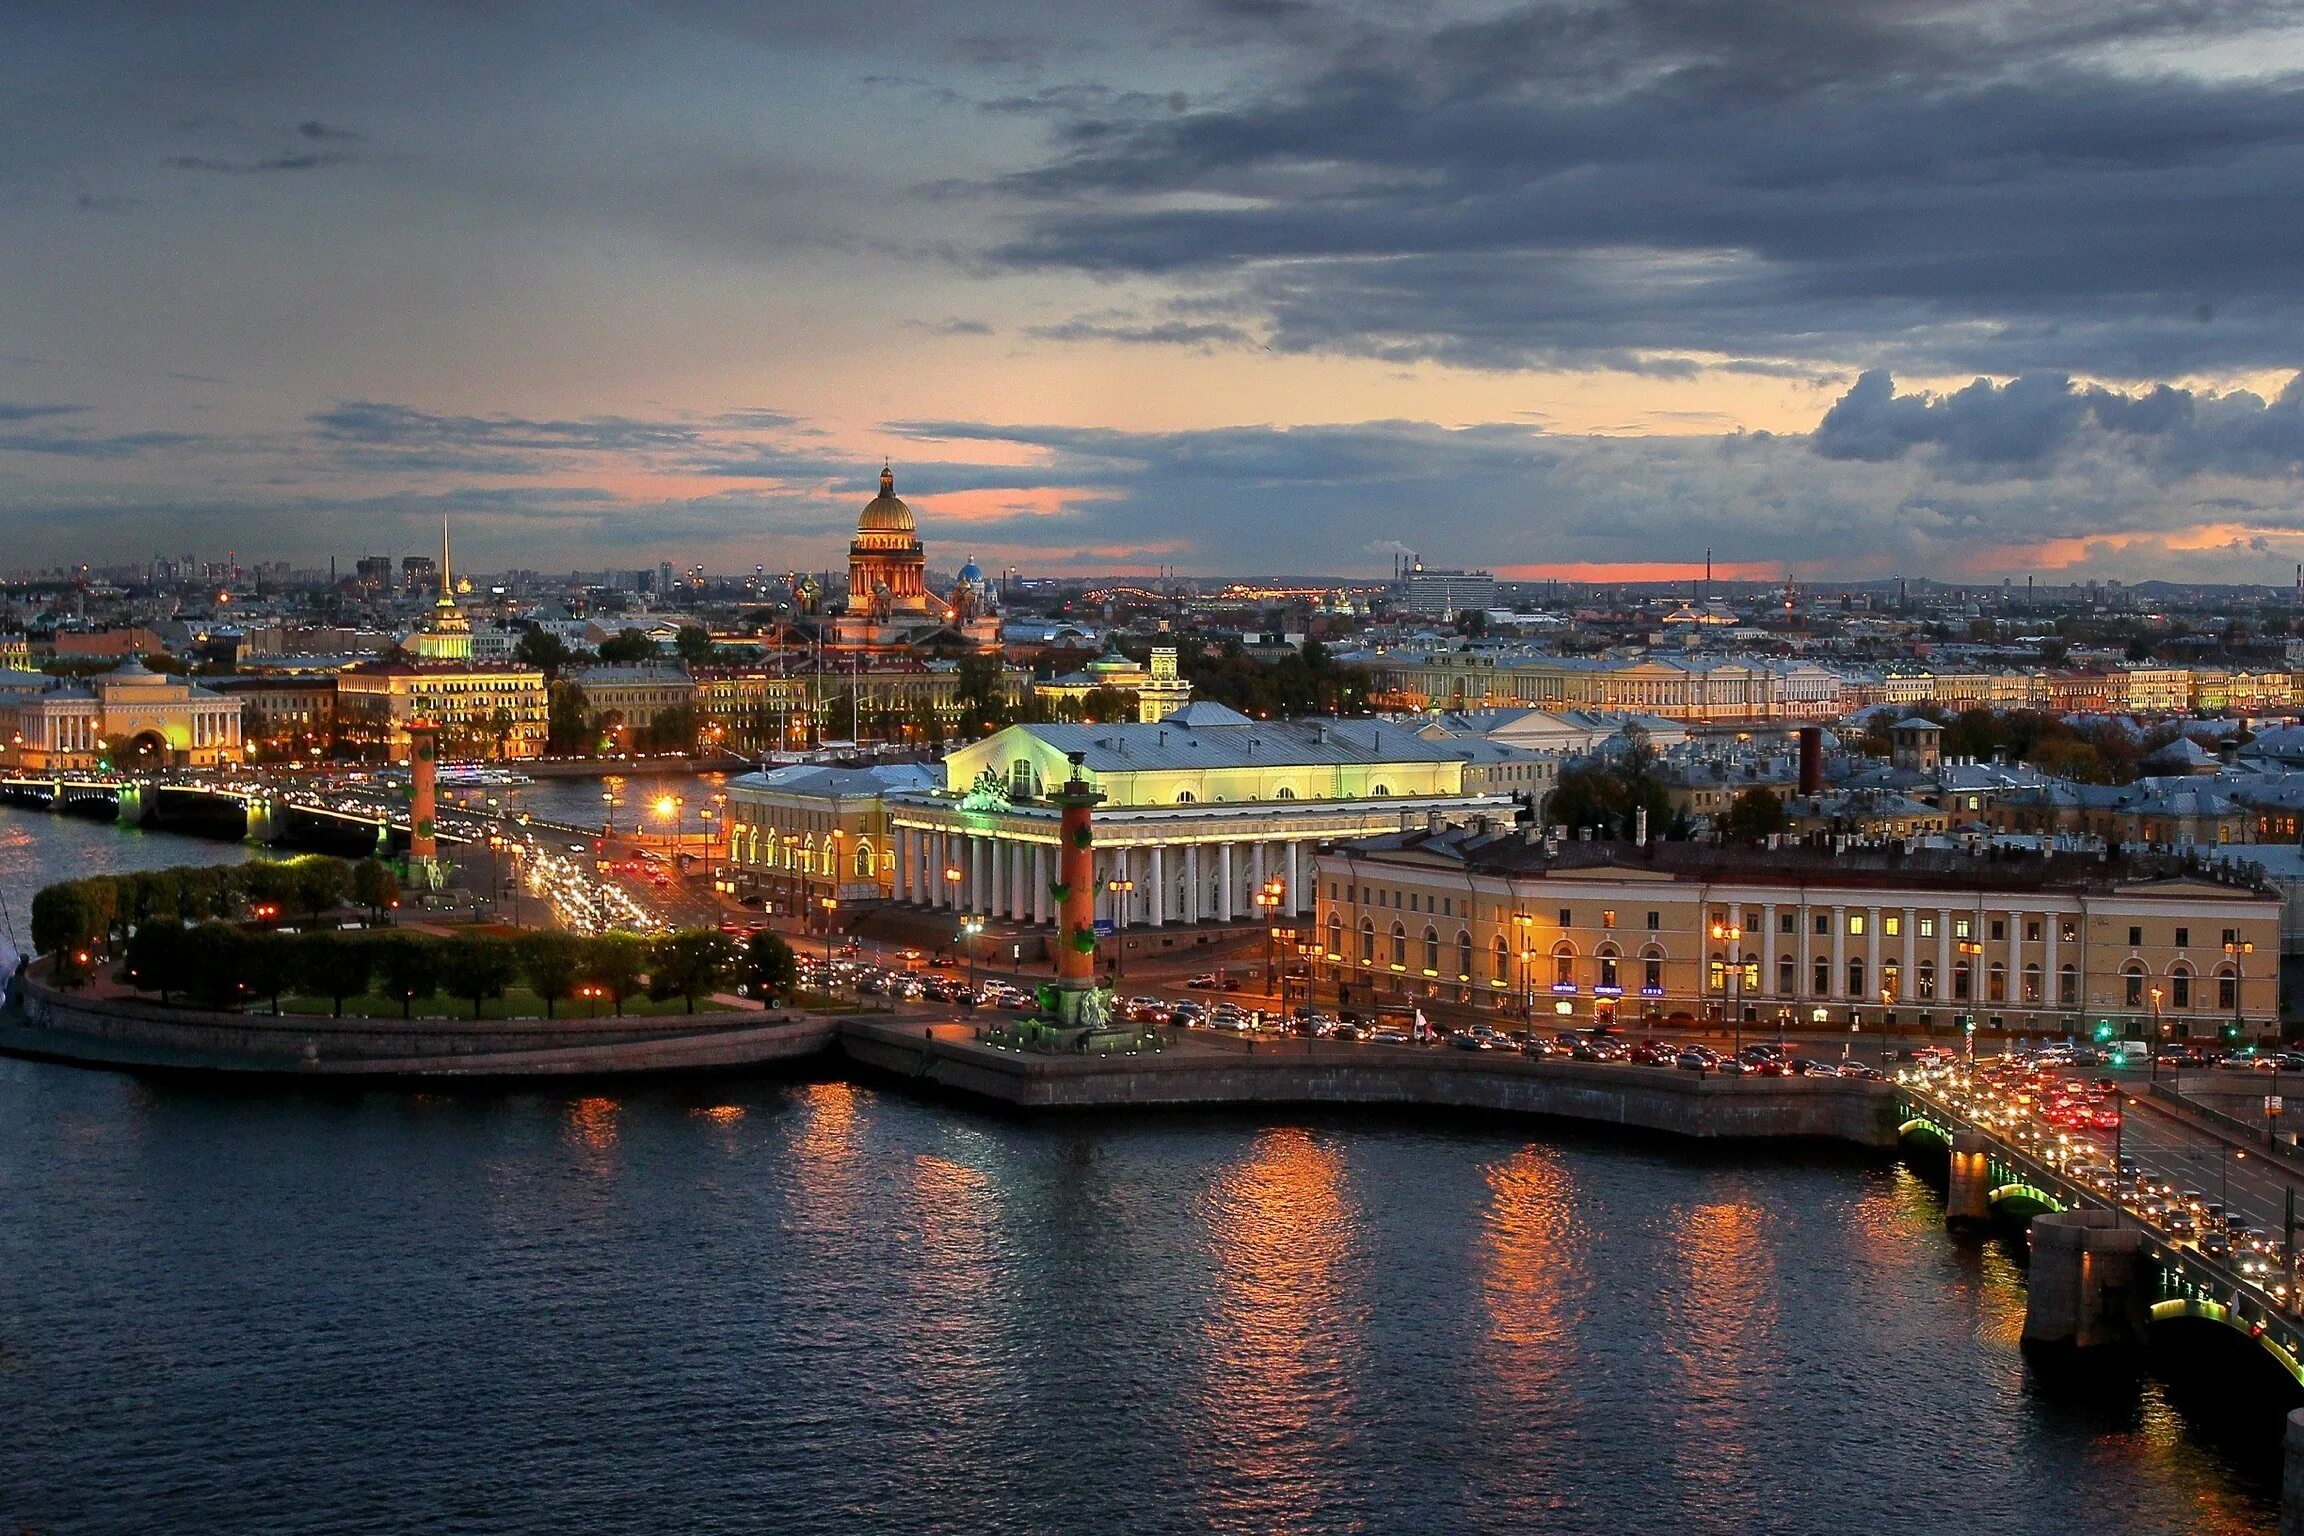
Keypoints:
pixel 1104 928
pixel 2271 1105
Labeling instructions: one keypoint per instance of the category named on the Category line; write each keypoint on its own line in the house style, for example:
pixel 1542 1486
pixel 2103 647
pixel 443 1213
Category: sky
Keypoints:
pixel 1846 289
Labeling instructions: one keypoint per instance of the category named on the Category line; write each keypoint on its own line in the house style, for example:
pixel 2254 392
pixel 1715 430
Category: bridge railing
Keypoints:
pixel 2231 1125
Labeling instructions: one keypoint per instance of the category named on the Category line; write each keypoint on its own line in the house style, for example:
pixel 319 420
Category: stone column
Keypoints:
pixel 1296 904
pixel 1911 957
pixel 1256 874
pixel 1805 972
pixel 1944 997
pixel 1159 883
pixel 1043 876
pixel 1193 910
pixel 2015 998
pixel 979 876
pixel 2050 997
pixel 1839 987
pixel 1872 950
pixel 1768 951
pixel 1223 882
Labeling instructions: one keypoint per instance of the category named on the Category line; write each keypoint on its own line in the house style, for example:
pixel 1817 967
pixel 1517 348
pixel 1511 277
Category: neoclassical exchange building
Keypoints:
pixel 1204 812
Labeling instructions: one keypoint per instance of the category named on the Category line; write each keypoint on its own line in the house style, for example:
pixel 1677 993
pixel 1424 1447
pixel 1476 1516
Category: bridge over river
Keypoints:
pixel 349 819
pixel 2166 1215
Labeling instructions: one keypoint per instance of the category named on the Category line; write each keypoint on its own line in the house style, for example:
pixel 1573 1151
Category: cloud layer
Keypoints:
pixel 1225 284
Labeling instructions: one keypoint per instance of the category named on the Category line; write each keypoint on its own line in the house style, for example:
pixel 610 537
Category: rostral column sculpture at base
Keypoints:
pixel 1076 1014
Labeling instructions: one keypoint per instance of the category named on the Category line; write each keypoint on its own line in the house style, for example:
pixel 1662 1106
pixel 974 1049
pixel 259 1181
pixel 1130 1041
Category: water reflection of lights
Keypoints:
pixel 826 1147
pixel 591 1129
pixel 722 1114
pixel 1722 1338
pixel 1277 1399
pixel 1532 1274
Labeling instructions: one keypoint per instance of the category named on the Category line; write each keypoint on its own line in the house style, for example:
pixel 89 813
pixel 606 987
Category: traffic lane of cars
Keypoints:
pixel 2257 1186
pixel 2149 1168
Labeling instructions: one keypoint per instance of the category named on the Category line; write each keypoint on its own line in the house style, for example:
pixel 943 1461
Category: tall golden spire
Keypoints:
pixel 447 574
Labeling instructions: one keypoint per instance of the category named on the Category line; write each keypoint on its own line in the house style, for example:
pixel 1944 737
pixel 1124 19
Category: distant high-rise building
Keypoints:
pixel 664 578
pixel 418 573
pixel 374 572
pixel 1444 593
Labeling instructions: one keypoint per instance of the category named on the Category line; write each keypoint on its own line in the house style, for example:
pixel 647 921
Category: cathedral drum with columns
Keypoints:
pixel 890 606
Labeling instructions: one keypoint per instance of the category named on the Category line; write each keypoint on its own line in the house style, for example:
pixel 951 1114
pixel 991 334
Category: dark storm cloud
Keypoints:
pixel 2033 420
pixel 124 445
pixel 16 411
pixel 313 128
pixel 385 425
pixel 316 161
pixel 1934 185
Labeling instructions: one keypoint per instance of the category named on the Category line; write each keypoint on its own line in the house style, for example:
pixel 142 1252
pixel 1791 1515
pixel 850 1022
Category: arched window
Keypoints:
pixel 1892 978
pixel 1463 955
pixel 2068 987
pixel 1500 957
pixel 1652 969
pixel 1335 937
pixel 1431 949
pixel 1283 793
pixel 1367 942
pixel 1855 978
pixel 1606 955
pixel 863 860
pixel 1924 980
pixel 1563 964
pixel 2180 986
pixel 2227 990
pixel 2031 983
pixel 1996 983
pixel 1786 976
pixel 1185 797
pixel 1962 985
pixel 1399 947
pixel 1023 779
pixel 1379 791
pixel 2132 986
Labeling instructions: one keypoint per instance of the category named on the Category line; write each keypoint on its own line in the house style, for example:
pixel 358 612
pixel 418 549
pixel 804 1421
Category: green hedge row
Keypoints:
pixel 223 965
pixel 78 915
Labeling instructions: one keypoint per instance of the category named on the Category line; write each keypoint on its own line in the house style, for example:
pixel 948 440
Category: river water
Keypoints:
pixel 795 1305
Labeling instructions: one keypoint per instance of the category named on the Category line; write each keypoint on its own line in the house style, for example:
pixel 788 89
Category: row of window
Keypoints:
pixel 2180 992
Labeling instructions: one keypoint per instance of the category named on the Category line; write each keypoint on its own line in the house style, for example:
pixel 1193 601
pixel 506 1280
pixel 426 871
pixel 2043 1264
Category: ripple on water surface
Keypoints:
pixel 813 1306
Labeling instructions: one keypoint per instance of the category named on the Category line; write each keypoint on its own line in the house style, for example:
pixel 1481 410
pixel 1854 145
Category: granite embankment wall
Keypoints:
pixel 1299 1072
pixel 1198 1070
pixel 127 1032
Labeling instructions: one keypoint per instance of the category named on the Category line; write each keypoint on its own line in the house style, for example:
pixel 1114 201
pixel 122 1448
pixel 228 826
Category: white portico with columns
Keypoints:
pixel 1202 811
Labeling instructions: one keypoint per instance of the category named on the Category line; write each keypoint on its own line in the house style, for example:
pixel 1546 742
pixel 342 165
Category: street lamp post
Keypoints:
pixel 1524 921
pixel 970 927
pixel 1268 898
pixel 1733 936
pixel 2238 952
pixel 2154 994
pixel 829 904
pixel 1887 1009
